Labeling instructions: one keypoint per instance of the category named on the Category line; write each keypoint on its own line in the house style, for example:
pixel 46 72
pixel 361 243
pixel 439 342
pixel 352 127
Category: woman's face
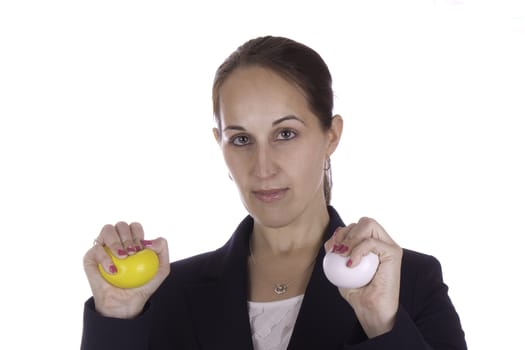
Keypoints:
pixel 273 145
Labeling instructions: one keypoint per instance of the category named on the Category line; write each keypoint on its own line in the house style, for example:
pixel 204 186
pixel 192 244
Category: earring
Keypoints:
pixel 327 164
pixel 327 180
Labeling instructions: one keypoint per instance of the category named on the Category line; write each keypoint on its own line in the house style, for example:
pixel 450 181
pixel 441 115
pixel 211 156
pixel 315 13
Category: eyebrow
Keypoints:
pixel 274 123
pixel 288 117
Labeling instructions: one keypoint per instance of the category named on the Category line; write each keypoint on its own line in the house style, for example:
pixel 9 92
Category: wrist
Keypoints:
pixel 129 310
pixel 376 324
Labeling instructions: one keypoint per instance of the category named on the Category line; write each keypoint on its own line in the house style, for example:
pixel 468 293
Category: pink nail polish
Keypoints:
pixel 343 249
pixel 112 268
pixel 131 249
pixel 121 252
pixel 137 248
pixel 336 248
pixel 146 243
pixel 349 263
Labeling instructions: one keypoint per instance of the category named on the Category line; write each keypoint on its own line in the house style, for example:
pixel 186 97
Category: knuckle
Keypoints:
pixel 349 228
pixel 136 226
pixel 87 258
pixel 107 227
pixel 90 258
pixel 370 241
pixel 115 246
pixel 162 243
pixel 367 221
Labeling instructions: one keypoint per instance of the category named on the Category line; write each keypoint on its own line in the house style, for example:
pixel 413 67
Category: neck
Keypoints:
pixel 303 235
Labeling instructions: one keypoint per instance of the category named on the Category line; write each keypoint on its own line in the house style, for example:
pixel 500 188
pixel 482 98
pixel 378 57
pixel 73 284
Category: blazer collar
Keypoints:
pixel 220 309
pixel 325 320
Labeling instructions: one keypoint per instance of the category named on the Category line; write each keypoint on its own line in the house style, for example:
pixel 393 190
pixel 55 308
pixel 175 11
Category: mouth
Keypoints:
pixel 269 196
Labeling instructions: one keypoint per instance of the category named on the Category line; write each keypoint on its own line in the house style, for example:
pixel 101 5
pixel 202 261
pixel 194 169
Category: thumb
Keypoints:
pixel 160 247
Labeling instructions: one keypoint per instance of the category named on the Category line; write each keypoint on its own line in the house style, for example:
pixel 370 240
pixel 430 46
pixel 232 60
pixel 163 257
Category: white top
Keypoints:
pixel 272 322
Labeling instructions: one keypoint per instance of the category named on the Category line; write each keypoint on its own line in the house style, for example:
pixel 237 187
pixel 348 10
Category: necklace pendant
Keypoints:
pixel 280 289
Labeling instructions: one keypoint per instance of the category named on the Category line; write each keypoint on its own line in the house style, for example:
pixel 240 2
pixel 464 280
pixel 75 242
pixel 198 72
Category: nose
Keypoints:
pixel 264 163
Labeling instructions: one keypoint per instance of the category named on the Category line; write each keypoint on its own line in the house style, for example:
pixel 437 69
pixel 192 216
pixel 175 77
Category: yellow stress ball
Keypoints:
pixel 133 271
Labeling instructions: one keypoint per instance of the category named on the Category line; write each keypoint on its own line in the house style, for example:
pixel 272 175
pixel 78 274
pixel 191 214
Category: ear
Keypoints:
pixel 334 134
pixel 217 136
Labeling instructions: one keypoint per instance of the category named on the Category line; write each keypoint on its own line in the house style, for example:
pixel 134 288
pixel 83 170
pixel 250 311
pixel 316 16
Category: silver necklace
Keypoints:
pixel 280 288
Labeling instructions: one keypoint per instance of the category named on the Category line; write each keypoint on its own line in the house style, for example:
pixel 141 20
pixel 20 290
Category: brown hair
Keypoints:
pixel 296 63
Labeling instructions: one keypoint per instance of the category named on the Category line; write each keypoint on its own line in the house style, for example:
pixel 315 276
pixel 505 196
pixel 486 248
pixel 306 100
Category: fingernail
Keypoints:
pixel 336 248
pixel 343 249
pixel 121 252
pixel 138 248
pixel 349 263
pixel 131 249
pixel 112 268
pixel 146 243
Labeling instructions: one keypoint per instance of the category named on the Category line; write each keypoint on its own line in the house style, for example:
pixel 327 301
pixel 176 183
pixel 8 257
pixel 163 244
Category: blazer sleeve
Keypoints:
pixel 426 318
pixel 105 333
pixel 164 323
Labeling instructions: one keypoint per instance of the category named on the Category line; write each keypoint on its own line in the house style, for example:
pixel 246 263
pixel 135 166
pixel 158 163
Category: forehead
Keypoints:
pixel 259 92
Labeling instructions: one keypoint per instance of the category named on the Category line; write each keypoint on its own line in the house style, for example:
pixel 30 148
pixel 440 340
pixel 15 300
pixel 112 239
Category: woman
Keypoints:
pixel 265 288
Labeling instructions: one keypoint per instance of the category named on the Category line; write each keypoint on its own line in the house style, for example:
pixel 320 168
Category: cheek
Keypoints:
pixel 307 166
pixel 235 162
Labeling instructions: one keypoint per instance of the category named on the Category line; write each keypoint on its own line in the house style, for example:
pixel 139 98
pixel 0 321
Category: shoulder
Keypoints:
pixel 198 268
pixel 419 268
pixel 421 277
pixel 414 262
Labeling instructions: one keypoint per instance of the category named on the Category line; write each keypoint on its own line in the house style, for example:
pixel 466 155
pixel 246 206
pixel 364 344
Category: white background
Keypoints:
pixel 105 115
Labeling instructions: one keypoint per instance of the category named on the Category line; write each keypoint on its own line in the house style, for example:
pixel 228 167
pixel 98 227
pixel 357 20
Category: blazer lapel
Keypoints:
pixel 325 320
pixel 219 306
pixel 220 311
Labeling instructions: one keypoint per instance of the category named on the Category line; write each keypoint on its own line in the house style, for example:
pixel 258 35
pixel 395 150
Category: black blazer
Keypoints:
pixel 203 305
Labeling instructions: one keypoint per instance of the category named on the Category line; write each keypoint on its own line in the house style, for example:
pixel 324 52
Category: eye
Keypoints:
pixel 239 140
pixel 286 134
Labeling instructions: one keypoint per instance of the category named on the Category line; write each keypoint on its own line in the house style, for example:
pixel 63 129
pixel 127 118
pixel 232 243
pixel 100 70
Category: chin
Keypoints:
pixel 272 221
pixel 272 216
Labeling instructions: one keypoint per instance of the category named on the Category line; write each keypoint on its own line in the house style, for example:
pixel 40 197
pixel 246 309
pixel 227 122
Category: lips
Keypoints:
pixel 272 195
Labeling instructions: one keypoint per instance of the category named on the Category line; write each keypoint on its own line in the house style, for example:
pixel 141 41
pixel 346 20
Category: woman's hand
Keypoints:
pixel 123 240
pixel 375 304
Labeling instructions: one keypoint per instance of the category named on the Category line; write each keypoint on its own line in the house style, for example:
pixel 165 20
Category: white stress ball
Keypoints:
pixel 335 269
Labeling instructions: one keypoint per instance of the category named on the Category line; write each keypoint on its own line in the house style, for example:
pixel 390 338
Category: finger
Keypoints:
pixel 364 229
pixel 126 238
pixel 382 249
pixel 159 246
pixel 341 234
pixel 372 228
pixel 137 234
pixel 328 245
pixel 95 256
pixel 334 243
pixel 109 237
